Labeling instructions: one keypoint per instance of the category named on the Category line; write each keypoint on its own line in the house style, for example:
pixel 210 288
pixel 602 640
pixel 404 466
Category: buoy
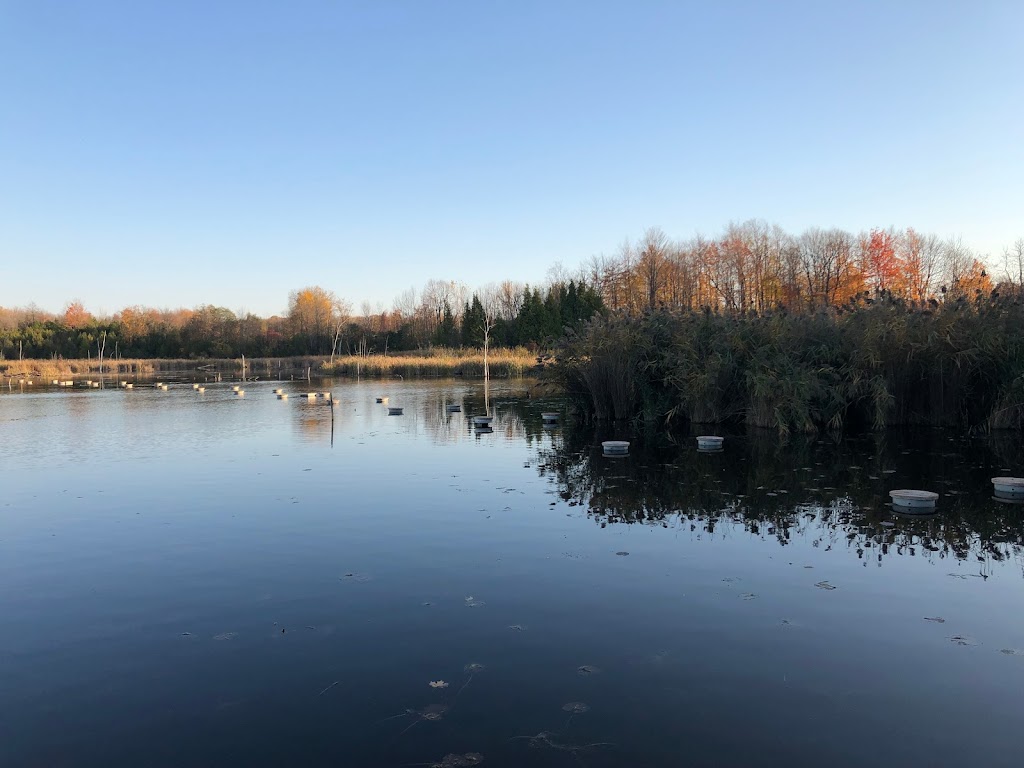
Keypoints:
pixel 200 389
pixel 129 386
pixel 394 411
pixel 453 408
pixel 69 383
pixel 164 387
pixel 159 383
pixel 382 399
pixel 240 392
pixel 282 396
pixel 549 416
pixel 483 421
pixel 55 382
pixel 235 388
pixel 1009 488
pixel 96 385
pixel 709 443
pixel 615 447
pixel 278 391
pixel 311 395
pixel 923 501
pixel 195 386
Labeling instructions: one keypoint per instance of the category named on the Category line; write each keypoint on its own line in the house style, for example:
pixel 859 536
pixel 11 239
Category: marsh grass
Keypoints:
pixel 262 367
pixel 437 363
pixel 876 362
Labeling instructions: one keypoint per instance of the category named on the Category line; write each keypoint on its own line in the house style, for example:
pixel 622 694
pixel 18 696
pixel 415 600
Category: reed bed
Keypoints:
pixel 876 362
pixel 437 363
pixel 267 367
pixel 440 363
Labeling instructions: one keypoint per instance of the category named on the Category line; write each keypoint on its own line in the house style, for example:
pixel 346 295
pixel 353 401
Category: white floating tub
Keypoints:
pixel 164 387
pixel 483 421
pixel 923 501
pixel 710 442
pixel 1009 487
pixel 235 388
pixel 615 447
pixel 96 385
pixel 282 396
pixel 325 395
pixel 200 390
pixel 278 391
pixel 195 386
pixel 311 395
pixel 394 411
pixel 382 399
pixel 240 392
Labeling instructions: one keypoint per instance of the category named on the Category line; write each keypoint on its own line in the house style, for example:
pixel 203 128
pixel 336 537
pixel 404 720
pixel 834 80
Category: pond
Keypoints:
pixel 209 579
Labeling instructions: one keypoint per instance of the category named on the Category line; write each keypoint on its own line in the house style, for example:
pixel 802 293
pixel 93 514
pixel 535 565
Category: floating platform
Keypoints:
pixel 1009 488
pixel 918 501
pixel 615 447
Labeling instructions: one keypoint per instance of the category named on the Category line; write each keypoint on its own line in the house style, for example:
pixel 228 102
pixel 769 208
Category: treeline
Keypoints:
pixel 756 266
pixel 877 361
pixel 317 323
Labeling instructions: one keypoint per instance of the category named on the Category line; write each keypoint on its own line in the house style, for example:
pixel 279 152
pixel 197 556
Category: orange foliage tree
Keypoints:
pixel 75 315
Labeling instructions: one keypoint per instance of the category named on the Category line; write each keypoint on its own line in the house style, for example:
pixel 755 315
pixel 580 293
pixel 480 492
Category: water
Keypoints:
pixel 212 580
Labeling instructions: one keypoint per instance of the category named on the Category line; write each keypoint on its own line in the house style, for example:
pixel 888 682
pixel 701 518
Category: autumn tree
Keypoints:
pixel 879 260
pixel 310 313
pixel 75 315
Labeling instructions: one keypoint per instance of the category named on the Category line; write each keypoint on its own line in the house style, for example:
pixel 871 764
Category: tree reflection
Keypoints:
pixel 830 494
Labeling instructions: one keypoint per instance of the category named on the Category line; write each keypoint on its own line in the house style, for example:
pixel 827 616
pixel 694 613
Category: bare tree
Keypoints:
pixel 652 261
pixel 341 311
pixel 1013 262
pixel 490 300
pixel 957 259
pixel 509 297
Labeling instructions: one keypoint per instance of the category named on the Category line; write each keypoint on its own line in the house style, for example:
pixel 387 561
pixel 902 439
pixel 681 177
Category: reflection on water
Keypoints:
pixel 831 494
pixel 202 579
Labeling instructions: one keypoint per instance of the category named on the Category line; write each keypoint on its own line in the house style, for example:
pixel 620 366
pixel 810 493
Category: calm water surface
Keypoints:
pixel 207 580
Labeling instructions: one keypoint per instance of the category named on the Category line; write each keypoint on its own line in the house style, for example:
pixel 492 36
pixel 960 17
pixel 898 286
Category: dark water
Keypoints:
pixel 200 580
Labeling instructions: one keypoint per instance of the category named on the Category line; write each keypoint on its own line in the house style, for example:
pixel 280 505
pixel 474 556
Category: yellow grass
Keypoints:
pixel 437 363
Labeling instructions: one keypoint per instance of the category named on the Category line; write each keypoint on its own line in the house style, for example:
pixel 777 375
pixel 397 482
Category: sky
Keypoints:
pixel 196 152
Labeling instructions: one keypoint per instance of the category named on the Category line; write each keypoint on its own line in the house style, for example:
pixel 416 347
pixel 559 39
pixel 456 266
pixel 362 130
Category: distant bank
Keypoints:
pixel 431 364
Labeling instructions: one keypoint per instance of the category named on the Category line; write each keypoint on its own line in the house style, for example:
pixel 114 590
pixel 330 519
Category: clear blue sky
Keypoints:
pixel 178 153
